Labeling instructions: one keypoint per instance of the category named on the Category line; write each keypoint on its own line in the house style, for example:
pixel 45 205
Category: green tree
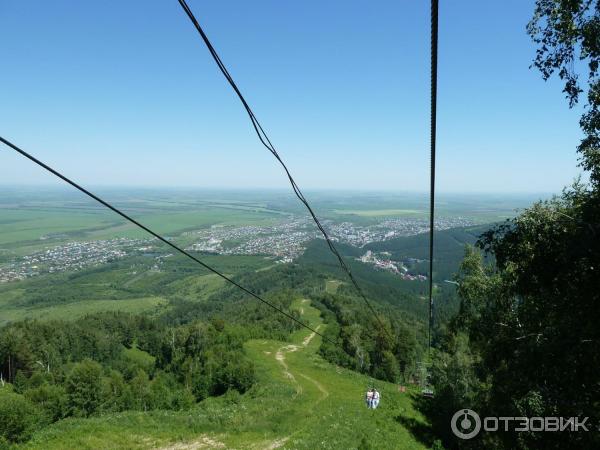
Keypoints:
pixel 51 399
pixel 229 370
pixel 566 31
pixel 116 394
pixel 457 385
pixel 406 351
pixel 19 418
pixel 388 367
pixel 140 390
pixel 541 327
pixel 84 388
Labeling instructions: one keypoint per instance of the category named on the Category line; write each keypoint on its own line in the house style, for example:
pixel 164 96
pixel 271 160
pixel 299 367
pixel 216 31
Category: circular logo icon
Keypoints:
pixel 465 424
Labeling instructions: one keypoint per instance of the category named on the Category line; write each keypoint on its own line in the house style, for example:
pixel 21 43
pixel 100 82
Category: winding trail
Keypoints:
pixel 280 357
pixel 320 387
pixel 310 337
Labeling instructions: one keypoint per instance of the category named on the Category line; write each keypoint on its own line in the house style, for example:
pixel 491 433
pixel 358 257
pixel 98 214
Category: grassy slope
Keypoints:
pixel 331 286
pixel 300 402
pixel 129 289
pixel 72 311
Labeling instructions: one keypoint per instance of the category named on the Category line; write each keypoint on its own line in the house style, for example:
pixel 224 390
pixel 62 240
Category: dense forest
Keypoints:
pixel 111 362
pixel 389 353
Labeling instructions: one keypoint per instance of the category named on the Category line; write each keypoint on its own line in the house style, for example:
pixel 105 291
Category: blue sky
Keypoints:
pixel 124 93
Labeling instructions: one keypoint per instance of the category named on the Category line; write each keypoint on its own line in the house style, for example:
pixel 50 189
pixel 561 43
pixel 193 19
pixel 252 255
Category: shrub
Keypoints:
pixel 51 399
pixel 19 418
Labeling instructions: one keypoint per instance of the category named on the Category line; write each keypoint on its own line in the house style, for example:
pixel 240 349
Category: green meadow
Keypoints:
pixel 331 286
pixel 28 224
pixel 72 311
pixel 382 212
pixel 129 286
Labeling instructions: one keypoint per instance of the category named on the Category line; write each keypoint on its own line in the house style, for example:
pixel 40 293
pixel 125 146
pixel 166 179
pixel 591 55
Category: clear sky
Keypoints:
pixel 124 93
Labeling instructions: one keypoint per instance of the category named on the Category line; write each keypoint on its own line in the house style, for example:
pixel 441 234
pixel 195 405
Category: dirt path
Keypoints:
pixel 135 278
pixel 319 386
pixel 204 442
pixel 280 357
pixel 276 443
pixel 310 337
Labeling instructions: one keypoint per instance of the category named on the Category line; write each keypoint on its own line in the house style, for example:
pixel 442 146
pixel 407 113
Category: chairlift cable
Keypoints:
pixel 434 57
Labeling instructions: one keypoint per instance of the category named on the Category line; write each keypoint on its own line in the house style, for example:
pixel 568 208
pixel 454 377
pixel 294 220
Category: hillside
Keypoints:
pixel 448 252
pixel 299 401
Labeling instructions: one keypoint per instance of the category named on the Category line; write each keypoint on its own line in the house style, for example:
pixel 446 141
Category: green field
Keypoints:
pixel 332 286
pixel 299 402
pixel 381 212
pixel 73 311
pixel 25 225
pixel 197 287
pixel 130 286
pixel 29 223
pixel 23 232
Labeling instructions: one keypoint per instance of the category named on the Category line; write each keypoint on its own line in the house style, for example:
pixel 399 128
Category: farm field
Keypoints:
pixel 31 215
pixel 381 212
pixel 24 232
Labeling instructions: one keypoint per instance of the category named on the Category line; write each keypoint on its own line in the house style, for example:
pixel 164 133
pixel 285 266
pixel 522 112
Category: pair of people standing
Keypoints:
pixel 372 398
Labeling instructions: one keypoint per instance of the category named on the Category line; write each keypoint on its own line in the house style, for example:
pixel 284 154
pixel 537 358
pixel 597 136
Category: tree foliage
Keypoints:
pixel 567 32
pixel 525 340
pixel 84 368
pixel 18 417
pixel 388 354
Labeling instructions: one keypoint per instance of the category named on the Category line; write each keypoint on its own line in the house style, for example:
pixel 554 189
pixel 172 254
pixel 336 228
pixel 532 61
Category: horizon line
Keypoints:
pixel 275 189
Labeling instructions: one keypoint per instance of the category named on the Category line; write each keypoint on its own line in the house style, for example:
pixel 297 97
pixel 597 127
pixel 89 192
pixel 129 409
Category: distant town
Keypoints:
pixel 381 261
pixel 284 241
pixel 72 256
pixel 287 240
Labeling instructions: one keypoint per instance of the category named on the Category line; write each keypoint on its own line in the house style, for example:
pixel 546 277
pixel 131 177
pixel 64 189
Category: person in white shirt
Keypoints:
pixel 375 401
pixel 369 398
